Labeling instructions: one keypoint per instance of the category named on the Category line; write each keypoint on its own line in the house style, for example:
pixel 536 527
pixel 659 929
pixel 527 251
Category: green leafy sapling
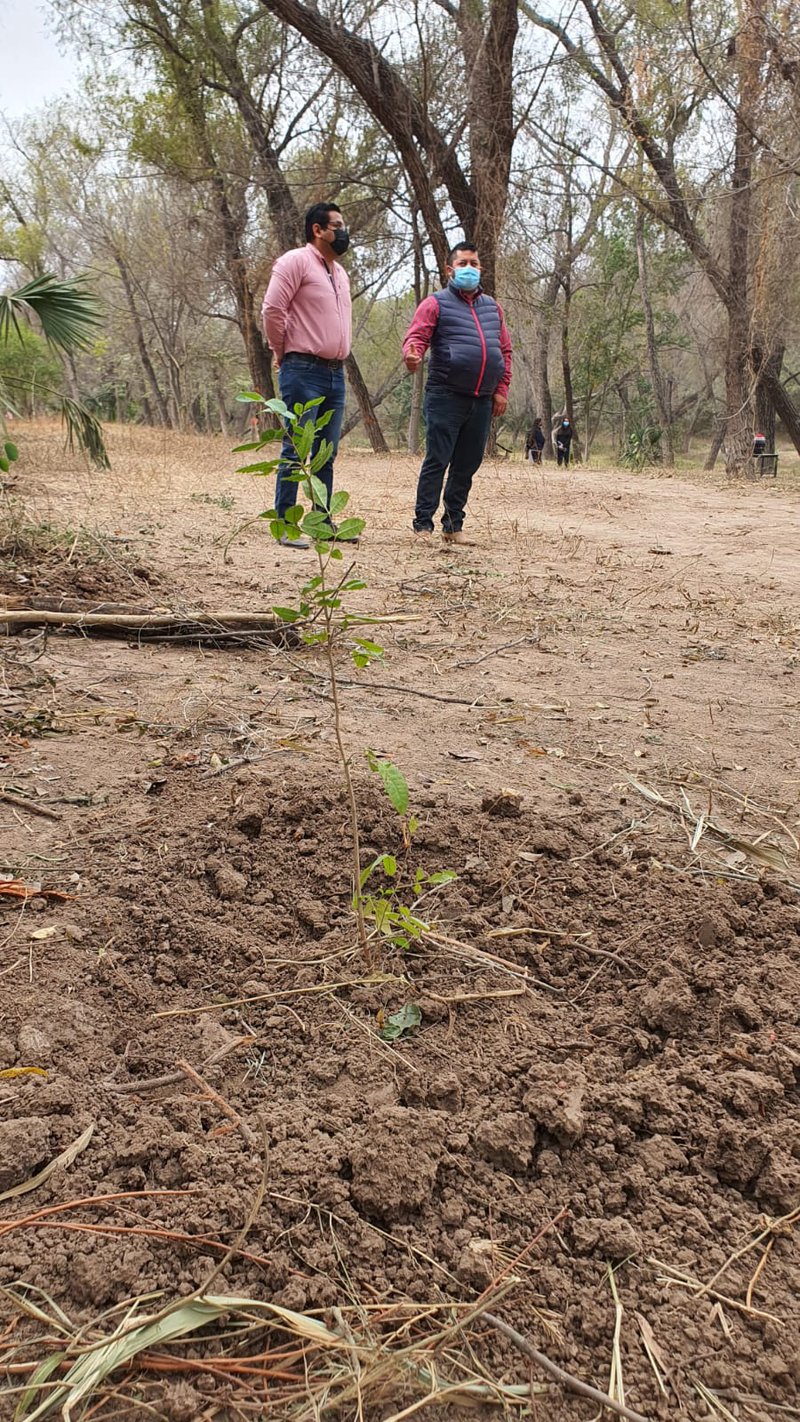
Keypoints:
pixel 320 612
pixel 393 920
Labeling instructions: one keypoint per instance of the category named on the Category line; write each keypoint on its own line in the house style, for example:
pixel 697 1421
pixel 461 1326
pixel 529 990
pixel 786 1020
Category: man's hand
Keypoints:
pixel 499 405
pixel 413 359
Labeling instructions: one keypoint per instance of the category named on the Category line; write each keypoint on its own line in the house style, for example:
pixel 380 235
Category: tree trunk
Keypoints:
pixel 148 369
pixel 542 394
pixel 366 407
pixel 716 443
pixel 415 413
pixel 660 391
pixel 766 368
pixel 488 46
pixel 785 409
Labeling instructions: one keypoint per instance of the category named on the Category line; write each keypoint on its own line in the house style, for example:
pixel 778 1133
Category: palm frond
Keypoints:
pixel 81 426
pixel 67 313
pixel 84 429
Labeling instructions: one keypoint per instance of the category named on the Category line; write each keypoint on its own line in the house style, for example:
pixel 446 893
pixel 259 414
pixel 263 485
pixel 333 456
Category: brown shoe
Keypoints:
pixel 456 537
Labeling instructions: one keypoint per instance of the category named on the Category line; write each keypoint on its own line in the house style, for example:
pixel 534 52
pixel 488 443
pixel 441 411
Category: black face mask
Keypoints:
pixel 340 241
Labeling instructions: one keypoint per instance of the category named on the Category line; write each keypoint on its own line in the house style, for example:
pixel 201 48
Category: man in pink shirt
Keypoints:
pixel 468 378
pixel 307 322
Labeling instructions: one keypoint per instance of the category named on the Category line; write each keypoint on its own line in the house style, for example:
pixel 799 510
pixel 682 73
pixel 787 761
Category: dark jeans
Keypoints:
pixel 301 380
pixel 562 455
pixel 457 429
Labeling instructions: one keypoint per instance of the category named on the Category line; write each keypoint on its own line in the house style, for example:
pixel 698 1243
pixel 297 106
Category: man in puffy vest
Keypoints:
pixel 468 378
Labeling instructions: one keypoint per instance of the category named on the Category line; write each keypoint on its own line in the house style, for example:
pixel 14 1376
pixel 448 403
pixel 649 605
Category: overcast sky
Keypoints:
pixel 31 68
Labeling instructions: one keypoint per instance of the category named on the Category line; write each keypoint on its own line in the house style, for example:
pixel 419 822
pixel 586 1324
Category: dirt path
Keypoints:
pixel 621 651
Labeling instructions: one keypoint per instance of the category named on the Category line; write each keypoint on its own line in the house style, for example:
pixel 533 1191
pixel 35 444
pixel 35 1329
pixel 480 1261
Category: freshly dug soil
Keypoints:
pixel 645 1077
pixel 609 1004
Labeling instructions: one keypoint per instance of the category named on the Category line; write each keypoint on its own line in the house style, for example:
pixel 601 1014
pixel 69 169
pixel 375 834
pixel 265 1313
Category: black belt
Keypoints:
pixel 318 360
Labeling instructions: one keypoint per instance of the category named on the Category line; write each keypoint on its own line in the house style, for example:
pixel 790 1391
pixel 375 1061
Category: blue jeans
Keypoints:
pixel 457 428
pixel 300 380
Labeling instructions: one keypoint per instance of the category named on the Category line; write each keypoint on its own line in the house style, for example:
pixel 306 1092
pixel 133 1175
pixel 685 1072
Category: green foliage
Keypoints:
pixel 320 616
pixel 642 446
pixel 395 921
pixel 392 780
pixel 68 315
pixel 26 359
pixel 397 1024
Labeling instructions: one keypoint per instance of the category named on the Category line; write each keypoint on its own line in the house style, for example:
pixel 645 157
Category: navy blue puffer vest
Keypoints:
pixel 465 349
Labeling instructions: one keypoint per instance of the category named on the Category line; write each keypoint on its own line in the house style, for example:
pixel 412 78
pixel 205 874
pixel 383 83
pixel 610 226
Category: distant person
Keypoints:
pixel 534 443
pixel 307 321
pixel 759 445
pixel 562 435
pixel 468 379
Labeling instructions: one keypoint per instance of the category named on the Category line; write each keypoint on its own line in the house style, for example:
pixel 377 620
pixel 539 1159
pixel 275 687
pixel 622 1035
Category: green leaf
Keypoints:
pixel 351 528
pixel 287 614
pixel 268 467
pixel 11 450
pixel 389 864
pixel 320 492
pixel 277 407
pixel 339 502
pixel 37 1380
pixel 371 647
pixel 395 785
pixel 250 395
pixel 311 404
pixel 316 525
pixel 444 876
pixel 303 440
pixel 359 659
pixel 4 464
pixel 397 1023
pixel 323 454
pixel 337 554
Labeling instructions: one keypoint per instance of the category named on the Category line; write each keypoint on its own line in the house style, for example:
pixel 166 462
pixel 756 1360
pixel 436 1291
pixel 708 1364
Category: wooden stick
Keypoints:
pixel 20 803
pixel 209 1094
pixel 210 621
pixel 572 1384
pixel 760 1265
pixel 151 1083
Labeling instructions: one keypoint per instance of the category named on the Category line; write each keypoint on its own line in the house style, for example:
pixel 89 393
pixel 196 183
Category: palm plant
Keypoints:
pixel 68 316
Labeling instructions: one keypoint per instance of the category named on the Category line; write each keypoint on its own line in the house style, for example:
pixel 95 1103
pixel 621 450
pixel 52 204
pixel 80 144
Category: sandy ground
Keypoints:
pixel 622 652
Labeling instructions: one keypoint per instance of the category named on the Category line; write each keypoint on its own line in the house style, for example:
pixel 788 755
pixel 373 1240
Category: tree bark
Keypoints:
pixel 366 407
pixel 148 370
pixel 785 408
pixel 766 365
pixel 429 156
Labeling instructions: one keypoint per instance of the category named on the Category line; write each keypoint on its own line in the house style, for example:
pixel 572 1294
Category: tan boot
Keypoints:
pixel 448 538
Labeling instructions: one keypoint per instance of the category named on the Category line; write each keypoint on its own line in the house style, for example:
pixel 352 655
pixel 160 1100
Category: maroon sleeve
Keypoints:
pixel 505 346
pixel 423 324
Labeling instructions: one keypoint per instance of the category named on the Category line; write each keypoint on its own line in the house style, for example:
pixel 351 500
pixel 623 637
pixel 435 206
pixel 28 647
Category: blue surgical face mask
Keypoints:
pixel 466 278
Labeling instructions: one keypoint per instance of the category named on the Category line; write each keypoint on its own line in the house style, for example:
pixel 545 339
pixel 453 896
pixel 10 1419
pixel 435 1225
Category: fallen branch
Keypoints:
pixel 213 627
pixel 21 803
pixel 572 1384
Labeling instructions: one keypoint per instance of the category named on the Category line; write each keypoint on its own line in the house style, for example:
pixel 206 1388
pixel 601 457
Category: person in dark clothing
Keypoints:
pixel 562 434
pixel 468 379
pixel 759 445
pixel 534 443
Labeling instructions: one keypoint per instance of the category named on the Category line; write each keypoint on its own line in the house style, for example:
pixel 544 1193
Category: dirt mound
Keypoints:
pixel 598 1034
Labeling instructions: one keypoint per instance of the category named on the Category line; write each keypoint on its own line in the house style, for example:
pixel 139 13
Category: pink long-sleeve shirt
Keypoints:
pixel 423 324
pixel 307 306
